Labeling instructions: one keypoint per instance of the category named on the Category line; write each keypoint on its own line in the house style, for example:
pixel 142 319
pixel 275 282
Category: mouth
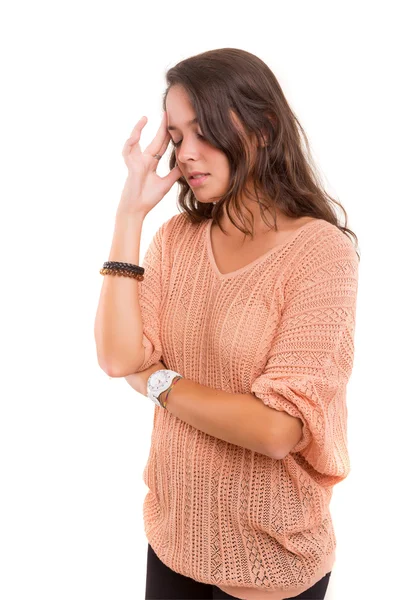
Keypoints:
pixel 198 180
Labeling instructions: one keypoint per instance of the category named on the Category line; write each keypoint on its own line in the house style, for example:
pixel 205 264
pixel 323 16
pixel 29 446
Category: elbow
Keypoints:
pixel 293 435
pixel 288 433
pixel 277 453
pixel 103 365
pixel 108 370
pixel 116 370
pixel 281 455
pixel 112 372
pixel 281 452
pixel 106 366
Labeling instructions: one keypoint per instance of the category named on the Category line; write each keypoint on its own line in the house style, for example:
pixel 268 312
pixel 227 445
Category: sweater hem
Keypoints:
pixel 248 593
pixel 252 593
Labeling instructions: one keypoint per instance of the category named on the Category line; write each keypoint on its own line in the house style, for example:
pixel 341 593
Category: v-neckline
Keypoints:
pixel 253 262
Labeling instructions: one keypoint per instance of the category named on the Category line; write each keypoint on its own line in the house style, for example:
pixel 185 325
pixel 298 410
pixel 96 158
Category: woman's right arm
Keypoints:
pixel 118 324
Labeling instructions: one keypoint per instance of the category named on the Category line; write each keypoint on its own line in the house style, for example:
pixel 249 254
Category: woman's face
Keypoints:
pixel 194 153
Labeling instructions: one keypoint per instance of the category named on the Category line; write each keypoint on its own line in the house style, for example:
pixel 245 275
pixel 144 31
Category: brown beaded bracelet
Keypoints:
pixel 112 264
pixel 123 273
pixel 122 269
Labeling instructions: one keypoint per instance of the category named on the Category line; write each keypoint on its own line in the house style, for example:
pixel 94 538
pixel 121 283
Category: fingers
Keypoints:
pixel 139 126
pixel 129 143
pixel 165 144
pixel 135 135
pixel 159 143
pixel 161 140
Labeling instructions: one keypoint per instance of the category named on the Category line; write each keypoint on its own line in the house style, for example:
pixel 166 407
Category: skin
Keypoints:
pixel 208 412
pixel 196 154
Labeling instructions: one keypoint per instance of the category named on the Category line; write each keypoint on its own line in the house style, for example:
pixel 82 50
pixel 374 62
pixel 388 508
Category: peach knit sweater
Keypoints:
pixel 282 328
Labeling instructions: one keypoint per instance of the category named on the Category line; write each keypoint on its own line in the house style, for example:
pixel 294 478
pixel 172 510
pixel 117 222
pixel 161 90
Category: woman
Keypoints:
pixel 251 322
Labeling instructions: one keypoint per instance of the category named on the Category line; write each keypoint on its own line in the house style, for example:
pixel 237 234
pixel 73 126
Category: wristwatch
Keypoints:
pixel 158 382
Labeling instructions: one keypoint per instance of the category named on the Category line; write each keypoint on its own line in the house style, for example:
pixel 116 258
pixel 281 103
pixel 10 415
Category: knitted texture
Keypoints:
pixel 282 328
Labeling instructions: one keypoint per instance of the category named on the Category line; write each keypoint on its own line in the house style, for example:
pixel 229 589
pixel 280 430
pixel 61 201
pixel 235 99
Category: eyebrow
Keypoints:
pixel 172 127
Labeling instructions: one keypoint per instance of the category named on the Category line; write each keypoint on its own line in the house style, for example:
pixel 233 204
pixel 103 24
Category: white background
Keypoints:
pixel 76 77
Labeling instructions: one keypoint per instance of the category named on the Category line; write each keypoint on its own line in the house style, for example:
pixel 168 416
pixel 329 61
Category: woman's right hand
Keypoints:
pixel 143 187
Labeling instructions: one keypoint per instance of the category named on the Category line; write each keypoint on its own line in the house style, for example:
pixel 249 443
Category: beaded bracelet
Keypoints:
pixel 124 269
pixel 113 264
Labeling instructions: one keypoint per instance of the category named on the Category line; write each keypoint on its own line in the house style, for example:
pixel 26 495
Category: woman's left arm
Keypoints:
pixel 240 419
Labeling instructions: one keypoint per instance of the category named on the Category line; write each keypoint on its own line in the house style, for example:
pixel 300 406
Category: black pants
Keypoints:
pixel 162 583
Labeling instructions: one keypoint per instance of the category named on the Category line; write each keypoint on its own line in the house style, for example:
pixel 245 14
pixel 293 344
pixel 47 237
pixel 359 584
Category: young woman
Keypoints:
pixel 246 309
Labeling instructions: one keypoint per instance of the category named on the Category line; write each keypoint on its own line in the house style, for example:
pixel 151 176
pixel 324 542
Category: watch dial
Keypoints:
pixel 159 379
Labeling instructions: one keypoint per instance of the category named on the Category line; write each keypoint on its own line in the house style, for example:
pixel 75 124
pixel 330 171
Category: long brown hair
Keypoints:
pixel 236 97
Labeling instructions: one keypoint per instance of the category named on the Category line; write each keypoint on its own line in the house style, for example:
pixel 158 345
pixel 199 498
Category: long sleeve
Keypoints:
pixel 311 358
pixel 150 296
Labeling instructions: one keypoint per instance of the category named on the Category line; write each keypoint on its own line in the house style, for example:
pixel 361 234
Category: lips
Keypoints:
pixel 196 182
pixel 192 176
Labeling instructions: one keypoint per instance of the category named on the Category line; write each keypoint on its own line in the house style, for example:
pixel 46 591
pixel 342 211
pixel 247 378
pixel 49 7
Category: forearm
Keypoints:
pixel 118 323
pixel 241 419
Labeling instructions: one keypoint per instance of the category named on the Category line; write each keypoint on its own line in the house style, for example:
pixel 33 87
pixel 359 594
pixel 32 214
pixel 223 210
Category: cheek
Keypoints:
pixel 219 158
pixel 222 167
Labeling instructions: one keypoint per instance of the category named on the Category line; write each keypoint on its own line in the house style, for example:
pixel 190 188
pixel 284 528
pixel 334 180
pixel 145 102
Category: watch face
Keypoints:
pixel 158 380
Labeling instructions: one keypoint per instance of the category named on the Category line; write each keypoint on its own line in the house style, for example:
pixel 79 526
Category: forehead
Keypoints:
pixel 178 106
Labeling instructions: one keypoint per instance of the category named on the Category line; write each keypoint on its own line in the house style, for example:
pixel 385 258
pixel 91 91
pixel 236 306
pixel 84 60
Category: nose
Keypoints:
pixel 187 151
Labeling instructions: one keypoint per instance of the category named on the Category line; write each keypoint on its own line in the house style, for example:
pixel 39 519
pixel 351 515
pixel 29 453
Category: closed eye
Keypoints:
pixel 176 144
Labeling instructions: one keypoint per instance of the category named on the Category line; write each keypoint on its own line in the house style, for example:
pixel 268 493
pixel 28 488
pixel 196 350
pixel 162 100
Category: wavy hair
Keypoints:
pixel 237 98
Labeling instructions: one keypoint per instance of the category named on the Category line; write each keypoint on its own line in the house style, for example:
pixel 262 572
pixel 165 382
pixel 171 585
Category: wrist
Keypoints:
pixel 123 214
pixel 163 396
